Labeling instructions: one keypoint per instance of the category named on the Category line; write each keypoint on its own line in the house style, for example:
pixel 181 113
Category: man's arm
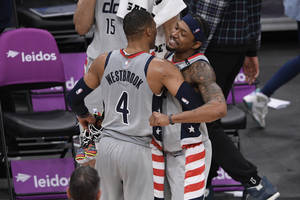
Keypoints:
pixel 83 87
pixel 201 74
pixel 84 16
pixel 214 108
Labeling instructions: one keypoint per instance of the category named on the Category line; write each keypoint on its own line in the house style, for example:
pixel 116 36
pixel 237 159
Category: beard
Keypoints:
pixel 169 48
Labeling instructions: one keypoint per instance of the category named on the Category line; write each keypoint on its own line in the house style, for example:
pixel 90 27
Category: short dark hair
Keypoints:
pixel 204 27
pixel 136 21
pixel 84 183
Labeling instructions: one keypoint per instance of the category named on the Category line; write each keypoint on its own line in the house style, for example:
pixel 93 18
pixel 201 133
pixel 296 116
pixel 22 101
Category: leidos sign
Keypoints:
pixel 46 181
pixel 32 57
pixel 38 176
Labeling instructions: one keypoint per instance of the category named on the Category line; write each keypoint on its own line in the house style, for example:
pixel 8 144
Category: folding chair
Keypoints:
pixel 30 61
pixel 235 120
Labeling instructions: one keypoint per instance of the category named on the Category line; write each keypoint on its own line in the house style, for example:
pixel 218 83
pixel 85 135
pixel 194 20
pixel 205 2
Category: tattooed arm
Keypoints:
pixel 202 76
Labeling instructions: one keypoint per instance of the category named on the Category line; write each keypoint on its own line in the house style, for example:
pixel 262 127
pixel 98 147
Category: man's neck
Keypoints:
pixel 180 56
pixel 136 46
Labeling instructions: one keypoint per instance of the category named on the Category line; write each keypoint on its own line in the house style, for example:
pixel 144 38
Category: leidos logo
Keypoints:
pixel 22 177
pixel 12 54
pixel 33 57
pixel 55 181
pixel 38 57
pixel 50 182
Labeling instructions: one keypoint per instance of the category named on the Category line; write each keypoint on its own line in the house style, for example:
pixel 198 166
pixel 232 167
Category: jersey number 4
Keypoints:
pixel 122 107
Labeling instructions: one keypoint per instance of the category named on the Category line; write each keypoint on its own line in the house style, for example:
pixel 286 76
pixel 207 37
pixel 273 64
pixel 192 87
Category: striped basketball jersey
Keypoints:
pixel 176 136
pixel 128 99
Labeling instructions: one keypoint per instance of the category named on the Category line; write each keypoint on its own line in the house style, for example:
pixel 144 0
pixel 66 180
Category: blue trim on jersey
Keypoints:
pixel 107 58
pixel 189 100
pixel 157 106
pixel 147 65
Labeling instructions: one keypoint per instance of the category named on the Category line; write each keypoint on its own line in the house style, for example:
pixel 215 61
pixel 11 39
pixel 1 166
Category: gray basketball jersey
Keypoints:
pixel 126 94
pixel 172 133
pixel 108 33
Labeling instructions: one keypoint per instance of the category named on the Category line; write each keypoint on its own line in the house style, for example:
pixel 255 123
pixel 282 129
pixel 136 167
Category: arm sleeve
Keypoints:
pixel 76 97
pixel 188 97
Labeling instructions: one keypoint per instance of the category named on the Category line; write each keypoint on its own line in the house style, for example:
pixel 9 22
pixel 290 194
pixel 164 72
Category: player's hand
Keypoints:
pixel 251 68
pixel 85 121
pixel 159 119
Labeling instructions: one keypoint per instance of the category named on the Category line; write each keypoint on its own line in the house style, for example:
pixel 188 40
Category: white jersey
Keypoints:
pixel 177 135
pixel 162 10
pixel 108 33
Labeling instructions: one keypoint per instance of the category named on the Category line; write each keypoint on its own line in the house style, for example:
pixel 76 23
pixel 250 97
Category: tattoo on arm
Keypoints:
pixel 203 75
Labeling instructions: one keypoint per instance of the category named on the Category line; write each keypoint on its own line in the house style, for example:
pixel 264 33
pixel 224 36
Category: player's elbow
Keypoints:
pixel 222 110
pixel 81 26
pixel 219 111
pixel 81 29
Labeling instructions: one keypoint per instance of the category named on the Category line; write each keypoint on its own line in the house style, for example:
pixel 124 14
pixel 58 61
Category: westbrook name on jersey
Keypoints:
pixel 124 75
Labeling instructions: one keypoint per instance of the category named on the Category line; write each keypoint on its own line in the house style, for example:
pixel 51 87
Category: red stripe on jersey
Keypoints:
pixel 195 172
pixel 157 158
pixel 195 157
pixel 158 186
pixel 194 187
pixel 156 145
pixel 187 146
pixel 131 55
pixel 158 172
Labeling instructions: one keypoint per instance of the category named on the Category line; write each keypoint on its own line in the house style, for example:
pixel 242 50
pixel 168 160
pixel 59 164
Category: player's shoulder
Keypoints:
pixel 201 65
pixel 99 62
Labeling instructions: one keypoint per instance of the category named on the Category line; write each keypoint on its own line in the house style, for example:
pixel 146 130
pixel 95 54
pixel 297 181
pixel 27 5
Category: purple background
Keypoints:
pixel 38 169
pixel 224 179
pixel 74 70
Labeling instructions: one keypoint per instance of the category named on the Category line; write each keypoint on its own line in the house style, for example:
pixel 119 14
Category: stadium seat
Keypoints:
pixel 30 63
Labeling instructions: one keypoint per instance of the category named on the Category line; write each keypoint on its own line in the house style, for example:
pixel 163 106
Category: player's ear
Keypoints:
pixel 196 45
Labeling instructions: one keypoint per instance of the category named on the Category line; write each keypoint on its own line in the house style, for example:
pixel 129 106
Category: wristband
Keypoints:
pixel 170 119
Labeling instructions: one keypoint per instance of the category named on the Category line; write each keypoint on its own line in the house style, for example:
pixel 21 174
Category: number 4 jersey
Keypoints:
pixel 128 100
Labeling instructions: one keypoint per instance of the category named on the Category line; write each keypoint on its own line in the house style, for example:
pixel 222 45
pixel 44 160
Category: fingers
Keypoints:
pixel 84 122
pixel 154 119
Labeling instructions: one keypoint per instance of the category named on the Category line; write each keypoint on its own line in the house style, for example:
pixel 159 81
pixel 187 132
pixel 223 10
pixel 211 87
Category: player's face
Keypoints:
pixel 181 38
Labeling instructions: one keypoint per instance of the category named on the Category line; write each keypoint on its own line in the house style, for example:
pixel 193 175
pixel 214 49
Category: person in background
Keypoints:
pixel 84 184
pixel 233 43
pixel 257 101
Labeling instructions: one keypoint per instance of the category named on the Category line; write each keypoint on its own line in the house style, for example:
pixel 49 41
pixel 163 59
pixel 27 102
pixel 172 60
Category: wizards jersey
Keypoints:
pixel 128 99
pixel 176 136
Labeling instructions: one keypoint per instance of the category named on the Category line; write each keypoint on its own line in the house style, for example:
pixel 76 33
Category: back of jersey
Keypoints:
pixel 127 96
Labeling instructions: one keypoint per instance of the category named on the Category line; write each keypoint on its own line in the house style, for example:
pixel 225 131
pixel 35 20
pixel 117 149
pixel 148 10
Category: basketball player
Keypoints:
pixel 188 154
pixel 129 77
pixel 105 19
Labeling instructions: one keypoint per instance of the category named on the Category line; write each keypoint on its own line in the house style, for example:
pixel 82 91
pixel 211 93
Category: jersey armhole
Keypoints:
pixel 147 65
pixel 107 59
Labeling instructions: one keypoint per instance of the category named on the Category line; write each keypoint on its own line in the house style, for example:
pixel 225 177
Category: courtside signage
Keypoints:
pixel 34 56
pixel 38 176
